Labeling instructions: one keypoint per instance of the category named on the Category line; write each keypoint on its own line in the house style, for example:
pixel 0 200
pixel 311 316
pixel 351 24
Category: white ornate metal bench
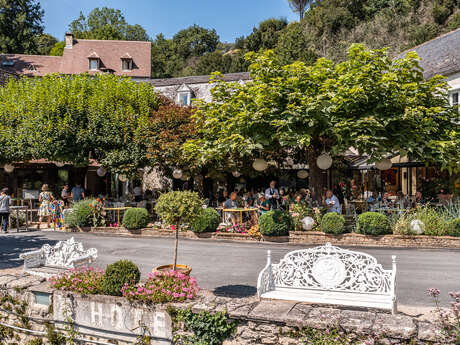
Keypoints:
pixel 48 260
pixel 329 275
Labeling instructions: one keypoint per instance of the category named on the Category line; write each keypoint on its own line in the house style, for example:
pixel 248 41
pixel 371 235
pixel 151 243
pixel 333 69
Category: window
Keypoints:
pixel 455 98
pixel 184 98
pixel 93 64
pixel 7 63
pixel 126 64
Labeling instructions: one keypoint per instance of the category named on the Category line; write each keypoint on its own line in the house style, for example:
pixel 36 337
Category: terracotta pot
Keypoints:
pixel 166 268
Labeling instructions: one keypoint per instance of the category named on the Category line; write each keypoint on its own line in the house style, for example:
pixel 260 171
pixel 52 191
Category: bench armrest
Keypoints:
pixel 32 259
pixel 265 282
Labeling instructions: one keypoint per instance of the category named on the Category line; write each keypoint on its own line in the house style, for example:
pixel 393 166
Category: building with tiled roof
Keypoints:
pixel 441 56
pixel 122 58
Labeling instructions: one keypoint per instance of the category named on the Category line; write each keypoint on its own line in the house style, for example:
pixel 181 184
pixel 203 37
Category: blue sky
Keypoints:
pixel 230 18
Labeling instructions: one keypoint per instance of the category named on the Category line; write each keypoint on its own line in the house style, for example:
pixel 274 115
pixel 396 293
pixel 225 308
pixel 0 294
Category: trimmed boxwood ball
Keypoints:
pixel 275 223
pixel 333 223
pixel 117 274
pixel 135 218
pixel 207 221
pixel 454 227
pixel 373 223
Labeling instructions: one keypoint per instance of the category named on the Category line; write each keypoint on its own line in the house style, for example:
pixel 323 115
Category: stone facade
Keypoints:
pixel 108 319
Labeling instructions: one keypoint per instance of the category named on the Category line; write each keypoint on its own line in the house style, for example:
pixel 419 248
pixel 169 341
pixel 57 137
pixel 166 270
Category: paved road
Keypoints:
pixel 232 268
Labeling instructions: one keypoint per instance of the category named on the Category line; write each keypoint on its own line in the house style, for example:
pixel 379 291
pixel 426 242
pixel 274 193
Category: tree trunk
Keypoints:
pixel 175 247
pixel 316 174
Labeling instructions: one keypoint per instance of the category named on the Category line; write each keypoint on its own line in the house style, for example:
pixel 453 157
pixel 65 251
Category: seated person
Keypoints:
pixel 229 204
pixel 332 203
pixel 371 201
pixel 263 204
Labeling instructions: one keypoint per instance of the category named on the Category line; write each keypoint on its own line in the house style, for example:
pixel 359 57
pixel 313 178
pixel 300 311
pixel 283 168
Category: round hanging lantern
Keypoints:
pixel 324 161
pixel 302 174
pixel 185 177
pixel 8 168
pixel 260 164
pixel 236 173
pixel 383 164
pixel 177 173
pixel 101 172
pixel 122 178
pixel 59 164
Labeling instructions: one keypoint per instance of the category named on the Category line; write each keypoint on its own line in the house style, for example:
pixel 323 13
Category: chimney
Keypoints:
pixel 68 40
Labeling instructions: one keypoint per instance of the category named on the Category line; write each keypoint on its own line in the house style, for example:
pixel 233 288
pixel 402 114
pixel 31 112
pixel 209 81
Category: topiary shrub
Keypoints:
pixel 454 227
pixel 81 214
pixel 333 223
pixel 373 223
pixel 207 221
pixel 118 274
pixel 135 218
pixel 275 223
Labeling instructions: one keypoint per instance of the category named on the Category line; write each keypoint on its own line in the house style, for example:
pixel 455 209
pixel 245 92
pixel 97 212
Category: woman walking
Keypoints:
pixel 44 211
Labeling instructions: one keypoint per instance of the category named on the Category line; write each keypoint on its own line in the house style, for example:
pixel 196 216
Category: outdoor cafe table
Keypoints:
pixel 238 210
pixel 116 210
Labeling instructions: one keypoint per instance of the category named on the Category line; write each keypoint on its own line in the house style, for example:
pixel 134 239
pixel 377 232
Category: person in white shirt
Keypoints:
pixel 333 203
pixel 272 195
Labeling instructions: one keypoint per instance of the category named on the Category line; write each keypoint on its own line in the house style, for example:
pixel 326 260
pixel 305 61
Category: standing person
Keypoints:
pixel 272 195
pixel 332 203
pixel 78 193
pixel 45 199
pixel 5 202
pixel 65 195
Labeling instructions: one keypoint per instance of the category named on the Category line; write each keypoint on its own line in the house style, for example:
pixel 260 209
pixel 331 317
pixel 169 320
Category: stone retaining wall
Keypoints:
pixel 298 237
pixel 259 321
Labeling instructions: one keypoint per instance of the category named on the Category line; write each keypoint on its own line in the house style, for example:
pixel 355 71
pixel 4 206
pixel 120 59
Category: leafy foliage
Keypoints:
pixel 207 328
pixel 106 24
pixel 454 227
pixel 370 102
pixel 179 207
pixel 333 223
pixel 207 221
pixel 74 118
pixel 373 223
pixel 44 43
pixel 275 223
pixel 117 275
pixel 434 224
pixel 21 21
pixel 136 218
pixel 81 214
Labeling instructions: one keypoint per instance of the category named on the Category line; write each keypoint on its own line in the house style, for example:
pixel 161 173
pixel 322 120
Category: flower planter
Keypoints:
pixel 233 236
pixel 166 268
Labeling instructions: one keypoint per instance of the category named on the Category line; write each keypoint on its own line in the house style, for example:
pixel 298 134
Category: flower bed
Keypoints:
pixel 234 229
pixel 171 286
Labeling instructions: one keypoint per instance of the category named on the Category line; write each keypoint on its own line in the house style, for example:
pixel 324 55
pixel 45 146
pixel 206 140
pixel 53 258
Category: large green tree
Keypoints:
pixel 20 22
pixel 370 102
pixel 106 24
pixel 74 119
pixel 44 43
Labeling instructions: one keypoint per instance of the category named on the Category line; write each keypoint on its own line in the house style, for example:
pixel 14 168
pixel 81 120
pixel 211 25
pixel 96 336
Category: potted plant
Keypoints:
pixel 177 209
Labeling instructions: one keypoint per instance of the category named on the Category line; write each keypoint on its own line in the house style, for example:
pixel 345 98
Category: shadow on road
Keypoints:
pixel 235 291
pixel 13 245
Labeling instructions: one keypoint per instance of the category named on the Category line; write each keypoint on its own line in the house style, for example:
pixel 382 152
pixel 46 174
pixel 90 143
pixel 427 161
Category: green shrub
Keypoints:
pixel 373 223
pixel 179 207
pixel 440 13
pixel 333 223
pixel 454 227
pixel 207 221
pixel 275 223
pixel 135 218
pixel 117 274
pixel 434 223
pixel 81 214
pixel 454 21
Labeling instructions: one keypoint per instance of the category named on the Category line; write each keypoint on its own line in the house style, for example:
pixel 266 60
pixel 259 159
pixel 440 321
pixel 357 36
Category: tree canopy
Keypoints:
pixel 20 23
pixel 106 24
pixel 370 102
pixel 74 119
